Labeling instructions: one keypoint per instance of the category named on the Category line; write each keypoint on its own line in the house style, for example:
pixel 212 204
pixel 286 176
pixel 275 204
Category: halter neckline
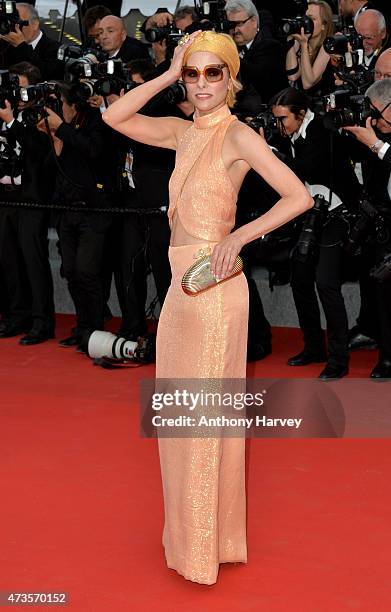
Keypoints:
pixel 212 119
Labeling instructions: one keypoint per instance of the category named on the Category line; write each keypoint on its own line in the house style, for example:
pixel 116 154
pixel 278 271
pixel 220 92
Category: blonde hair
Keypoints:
pixel 224 47
pixel 326 15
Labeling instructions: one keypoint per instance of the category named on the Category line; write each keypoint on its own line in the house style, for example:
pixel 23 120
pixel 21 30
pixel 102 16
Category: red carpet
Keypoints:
pixel 81 499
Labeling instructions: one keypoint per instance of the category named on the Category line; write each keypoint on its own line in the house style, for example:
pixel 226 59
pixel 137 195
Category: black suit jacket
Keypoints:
pixel 312 162
pixel 36 184
pixel 376 174
pixel 263 67
pixel 89 158
pixel 132 49
pixel 44 56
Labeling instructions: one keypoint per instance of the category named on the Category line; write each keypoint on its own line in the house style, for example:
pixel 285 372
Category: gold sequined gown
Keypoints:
pixel 204 337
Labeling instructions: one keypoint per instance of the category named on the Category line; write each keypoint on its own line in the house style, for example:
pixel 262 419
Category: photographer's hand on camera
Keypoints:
pixel 15 38
pixel 366 135
pixel 158 20
pixel 95 101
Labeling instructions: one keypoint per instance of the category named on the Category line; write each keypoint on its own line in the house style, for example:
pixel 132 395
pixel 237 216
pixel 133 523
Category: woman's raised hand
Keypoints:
pixel 175 68
pixel 302 38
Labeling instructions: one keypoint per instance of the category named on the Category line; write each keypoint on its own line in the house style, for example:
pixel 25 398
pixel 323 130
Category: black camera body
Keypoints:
pixel 79 61
pixel 294 26
pixel 267 121
pixel 170 33
pixel 102 79
pixel 347 110
pixel 38 97
pixel 312 227
pixel 212 15
pixel 9 17
pixel 368 222
pixel 9 88
pixel 339 43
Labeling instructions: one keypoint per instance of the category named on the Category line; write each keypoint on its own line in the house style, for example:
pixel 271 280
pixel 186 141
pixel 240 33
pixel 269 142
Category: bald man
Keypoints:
pixel 371 25
pixel 383 66
pixel 113 39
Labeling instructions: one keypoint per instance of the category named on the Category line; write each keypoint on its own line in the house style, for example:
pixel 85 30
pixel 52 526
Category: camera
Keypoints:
pixel 346 109
pixel 339 43
pixel 293 26
pixel 267 121
pixel 311 230
pixel 9 88
pixel 79 61
pixel 100 344
pixel 104 79
pixel 170 33
pixel 37 97
pixel 9 18
pixel 368 222
pixel 175 93
pixel 212 15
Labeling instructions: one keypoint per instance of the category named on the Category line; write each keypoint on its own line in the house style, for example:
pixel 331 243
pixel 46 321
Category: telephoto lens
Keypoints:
pixel 106 344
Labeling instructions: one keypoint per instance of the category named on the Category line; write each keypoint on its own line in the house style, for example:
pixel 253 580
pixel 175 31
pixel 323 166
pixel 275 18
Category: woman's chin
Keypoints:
pixel 207 103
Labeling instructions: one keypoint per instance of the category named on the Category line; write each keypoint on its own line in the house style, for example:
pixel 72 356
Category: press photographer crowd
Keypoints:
pixel 316 83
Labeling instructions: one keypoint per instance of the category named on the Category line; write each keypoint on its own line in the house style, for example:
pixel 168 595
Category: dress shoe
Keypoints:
pixel 382 370
pixel 357 340
pixel 332 371
pixel 81 349
pixel 12 329
pixel 71 341
pixel 35 337
pixel 305 357
pixel 256 352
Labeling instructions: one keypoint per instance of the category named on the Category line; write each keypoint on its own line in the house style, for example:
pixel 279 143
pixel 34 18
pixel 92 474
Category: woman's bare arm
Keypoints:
pixel 123 115
pixel 312 73
pixel 251 151
pixel 292 62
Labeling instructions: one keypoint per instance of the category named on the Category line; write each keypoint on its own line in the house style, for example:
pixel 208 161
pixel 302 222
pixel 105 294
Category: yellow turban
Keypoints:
pixel 221 45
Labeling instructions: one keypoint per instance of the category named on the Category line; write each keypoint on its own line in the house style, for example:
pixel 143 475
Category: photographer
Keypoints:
pixel 30 44
pixel 262 63
pixel 371 25
pixel 317 260
pixel 86 177
pixel 91 21
pixel 306 59
pixel 24 255
pixel 376 136
pixel 113 39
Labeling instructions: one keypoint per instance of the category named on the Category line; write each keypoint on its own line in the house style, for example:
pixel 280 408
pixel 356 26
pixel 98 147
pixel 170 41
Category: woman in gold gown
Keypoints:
pixel 205 336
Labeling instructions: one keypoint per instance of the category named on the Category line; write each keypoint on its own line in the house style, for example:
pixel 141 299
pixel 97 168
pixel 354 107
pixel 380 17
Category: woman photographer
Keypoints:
pixel 306 59
pixel 317 157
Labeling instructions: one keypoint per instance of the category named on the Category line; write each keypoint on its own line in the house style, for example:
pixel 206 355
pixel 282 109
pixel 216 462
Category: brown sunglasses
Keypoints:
pixel 212 73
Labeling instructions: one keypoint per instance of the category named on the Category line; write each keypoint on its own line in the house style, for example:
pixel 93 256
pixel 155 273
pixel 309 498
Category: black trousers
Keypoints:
pixel 323 271
pixel 374 319
pixel 259 330
pixel 145 242
pixel 82 240
pixel 25 268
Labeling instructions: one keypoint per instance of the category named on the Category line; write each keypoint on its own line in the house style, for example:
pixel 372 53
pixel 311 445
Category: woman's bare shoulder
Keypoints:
pixel 241 137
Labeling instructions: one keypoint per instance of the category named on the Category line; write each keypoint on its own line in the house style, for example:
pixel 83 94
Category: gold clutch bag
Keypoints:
pixel 199 278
